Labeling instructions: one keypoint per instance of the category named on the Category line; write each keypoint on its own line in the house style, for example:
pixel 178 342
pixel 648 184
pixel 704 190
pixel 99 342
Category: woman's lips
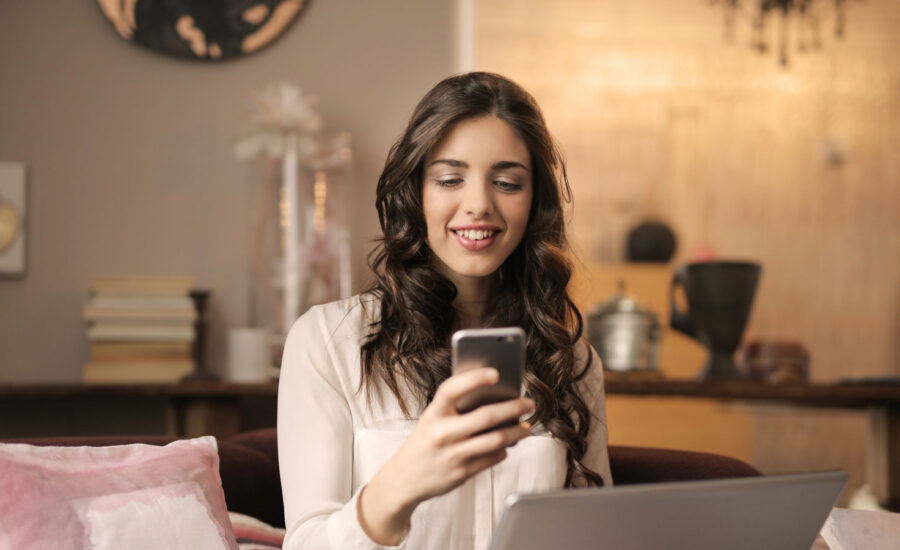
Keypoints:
pixel 471 244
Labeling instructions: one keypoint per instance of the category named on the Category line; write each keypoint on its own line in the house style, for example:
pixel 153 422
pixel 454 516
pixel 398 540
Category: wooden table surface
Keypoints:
pixel 837 395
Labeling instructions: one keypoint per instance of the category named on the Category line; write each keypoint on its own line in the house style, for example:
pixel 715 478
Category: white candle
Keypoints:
pixel 291 227
pixel 319 194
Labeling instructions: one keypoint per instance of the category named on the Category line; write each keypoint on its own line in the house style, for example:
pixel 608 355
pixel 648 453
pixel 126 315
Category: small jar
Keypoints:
pixel 775 361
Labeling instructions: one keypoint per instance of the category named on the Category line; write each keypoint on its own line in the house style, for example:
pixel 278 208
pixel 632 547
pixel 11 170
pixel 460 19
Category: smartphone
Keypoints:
pixel 500 348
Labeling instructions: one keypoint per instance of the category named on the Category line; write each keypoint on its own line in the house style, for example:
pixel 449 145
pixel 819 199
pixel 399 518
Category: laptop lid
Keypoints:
pixel 781 512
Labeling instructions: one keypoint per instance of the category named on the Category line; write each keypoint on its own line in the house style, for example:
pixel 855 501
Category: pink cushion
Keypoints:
pixel 126 496
pixel 254 534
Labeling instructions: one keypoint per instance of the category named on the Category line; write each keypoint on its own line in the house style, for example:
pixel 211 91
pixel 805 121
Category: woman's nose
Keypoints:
pixel 477 199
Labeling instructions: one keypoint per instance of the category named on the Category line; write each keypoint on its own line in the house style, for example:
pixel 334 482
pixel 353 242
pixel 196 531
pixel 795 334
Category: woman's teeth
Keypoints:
pixel 475 234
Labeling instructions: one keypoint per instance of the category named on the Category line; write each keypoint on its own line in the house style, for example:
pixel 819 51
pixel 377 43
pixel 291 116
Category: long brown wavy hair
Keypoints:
pixel 409 345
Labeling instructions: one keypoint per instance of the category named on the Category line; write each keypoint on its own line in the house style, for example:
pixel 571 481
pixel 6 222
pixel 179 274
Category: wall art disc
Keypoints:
pixel 202 29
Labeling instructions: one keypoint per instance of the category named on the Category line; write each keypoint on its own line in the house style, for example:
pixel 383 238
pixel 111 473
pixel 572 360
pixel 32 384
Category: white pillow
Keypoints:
pixel 126 496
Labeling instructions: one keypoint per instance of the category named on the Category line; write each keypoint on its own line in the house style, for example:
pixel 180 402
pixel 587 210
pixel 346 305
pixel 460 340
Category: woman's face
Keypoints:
pixel 476 194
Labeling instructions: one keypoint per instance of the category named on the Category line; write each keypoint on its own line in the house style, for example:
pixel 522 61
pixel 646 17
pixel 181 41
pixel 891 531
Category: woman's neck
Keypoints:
pixel 470 313
pixel 471 299
pixel 472 294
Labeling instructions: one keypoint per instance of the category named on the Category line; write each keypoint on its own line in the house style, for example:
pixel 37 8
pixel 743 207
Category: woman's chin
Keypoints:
pixel 467 272
pixel 477 273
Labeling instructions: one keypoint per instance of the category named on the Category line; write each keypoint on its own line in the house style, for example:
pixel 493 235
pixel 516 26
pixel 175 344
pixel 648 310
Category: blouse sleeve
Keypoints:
pixel 315 444
pixel 597 455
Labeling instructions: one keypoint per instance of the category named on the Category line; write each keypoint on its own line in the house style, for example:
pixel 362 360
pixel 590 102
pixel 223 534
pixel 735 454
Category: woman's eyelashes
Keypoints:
pixel 503 185
pixel 510 186
pixel 448 182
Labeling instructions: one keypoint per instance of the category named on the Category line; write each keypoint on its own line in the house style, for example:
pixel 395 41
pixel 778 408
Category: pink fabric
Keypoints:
pixel 135 496
pixel 252 533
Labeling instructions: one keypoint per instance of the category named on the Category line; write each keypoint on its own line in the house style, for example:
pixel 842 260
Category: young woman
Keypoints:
pixel 372 450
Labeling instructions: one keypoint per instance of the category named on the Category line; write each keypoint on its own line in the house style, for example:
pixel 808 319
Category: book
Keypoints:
pixel 176 303
pixel 851 529
pixel 161 316
pixel 103 351
pixel 141 333
pixel 144 285
pixel 136 371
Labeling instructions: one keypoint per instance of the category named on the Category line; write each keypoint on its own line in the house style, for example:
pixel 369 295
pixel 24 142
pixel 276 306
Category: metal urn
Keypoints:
pixel 719 299
pixel 625 335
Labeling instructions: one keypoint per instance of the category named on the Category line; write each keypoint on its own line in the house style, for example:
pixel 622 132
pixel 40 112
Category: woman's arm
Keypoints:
pixel 315 443
pixel 440 455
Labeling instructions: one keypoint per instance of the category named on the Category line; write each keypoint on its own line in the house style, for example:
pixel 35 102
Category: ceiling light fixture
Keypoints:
pixel 802 19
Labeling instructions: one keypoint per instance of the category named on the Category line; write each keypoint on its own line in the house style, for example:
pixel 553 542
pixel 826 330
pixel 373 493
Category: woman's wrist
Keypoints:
pixel 384 514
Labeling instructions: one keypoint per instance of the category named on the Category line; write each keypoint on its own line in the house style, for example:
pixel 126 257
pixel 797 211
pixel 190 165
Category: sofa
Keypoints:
pixel 248 466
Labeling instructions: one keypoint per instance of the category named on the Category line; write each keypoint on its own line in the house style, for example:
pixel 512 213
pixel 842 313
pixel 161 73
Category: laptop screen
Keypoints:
pixel 780 512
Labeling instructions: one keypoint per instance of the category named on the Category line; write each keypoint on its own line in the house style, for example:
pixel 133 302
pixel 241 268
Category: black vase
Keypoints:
pixel 719 298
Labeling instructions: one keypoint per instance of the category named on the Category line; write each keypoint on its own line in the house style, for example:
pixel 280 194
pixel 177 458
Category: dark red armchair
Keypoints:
pixel 248 464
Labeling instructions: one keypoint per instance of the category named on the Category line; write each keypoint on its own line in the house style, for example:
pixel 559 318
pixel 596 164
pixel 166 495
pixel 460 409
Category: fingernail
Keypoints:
pixel 492 373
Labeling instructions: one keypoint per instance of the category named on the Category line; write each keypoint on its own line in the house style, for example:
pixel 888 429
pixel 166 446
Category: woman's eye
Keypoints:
pixel 507 185
pixel 448 182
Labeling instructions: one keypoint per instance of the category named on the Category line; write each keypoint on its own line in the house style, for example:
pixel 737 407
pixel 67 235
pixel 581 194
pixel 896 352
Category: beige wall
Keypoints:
pixel 128 152
pixel 659 116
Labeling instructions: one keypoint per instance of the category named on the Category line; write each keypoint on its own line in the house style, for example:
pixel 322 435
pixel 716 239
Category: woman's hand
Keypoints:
pixel 440 454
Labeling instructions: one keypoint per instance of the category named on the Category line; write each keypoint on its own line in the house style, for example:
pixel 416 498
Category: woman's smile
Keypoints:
pixel 475 237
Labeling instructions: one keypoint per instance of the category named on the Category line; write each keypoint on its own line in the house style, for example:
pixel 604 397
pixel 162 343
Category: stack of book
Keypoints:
pixel 140 329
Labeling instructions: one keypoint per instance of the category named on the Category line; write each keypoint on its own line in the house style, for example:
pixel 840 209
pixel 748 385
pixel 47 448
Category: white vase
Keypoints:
pixel 301 253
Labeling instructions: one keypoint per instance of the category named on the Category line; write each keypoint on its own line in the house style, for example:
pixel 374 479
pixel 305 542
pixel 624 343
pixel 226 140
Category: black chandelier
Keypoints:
pixel 803 17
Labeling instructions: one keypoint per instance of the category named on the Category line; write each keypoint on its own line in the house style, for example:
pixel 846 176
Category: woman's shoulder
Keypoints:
pixel 584 352
pixel 327 338
pixel 360 305
pixel 348 317
pixel 589 366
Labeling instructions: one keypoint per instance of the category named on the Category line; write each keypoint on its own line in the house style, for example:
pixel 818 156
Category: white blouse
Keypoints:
pixel 332 440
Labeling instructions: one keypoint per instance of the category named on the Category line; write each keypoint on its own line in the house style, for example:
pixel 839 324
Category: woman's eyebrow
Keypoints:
pixel 501 165
pixel 449 162
pixel 504 164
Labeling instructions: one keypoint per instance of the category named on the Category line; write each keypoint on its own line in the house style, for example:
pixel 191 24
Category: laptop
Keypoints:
pixel 779 512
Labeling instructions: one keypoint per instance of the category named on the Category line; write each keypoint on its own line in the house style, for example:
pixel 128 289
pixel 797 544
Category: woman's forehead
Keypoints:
pixel 485 139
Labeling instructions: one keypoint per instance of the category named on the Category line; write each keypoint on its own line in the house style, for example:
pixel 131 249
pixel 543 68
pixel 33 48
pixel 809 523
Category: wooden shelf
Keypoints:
pixel 205 389
pixel 881 400
pixel 842 395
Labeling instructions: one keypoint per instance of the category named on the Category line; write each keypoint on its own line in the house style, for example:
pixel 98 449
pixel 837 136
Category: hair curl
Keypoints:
pixel 409 345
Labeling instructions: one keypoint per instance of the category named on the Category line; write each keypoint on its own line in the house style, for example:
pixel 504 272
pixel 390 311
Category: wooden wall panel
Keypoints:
pixel 797 167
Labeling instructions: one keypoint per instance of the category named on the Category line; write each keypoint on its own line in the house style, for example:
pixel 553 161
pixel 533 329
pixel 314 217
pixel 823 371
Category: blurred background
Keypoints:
pixel 770 137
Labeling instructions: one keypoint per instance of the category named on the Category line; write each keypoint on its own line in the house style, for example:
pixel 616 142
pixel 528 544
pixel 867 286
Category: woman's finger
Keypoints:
pixel 484 461
pixel 489 442
pixel 484 418
pixel 460 384
pixel 488 416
